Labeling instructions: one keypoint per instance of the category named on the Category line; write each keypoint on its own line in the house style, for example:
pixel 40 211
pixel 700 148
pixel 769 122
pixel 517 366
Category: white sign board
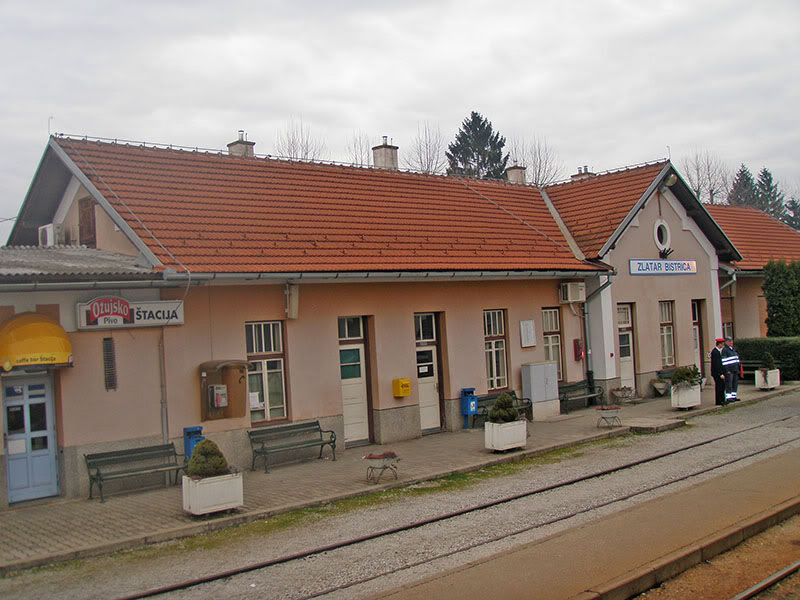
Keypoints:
pixel 527 333
pixel 112 312
pixel 645 266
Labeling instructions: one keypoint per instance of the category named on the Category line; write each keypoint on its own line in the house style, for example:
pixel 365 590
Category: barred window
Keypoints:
pixel 265 370
pixel 109 364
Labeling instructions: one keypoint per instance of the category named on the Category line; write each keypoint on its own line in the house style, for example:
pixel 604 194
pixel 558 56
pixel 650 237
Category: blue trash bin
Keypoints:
pixel 191 437
pixel 469 404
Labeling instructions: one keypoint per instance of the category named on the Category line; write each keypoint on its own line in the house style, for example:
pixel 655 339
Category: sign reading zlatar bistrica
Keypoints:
pixel 646 266
pixel 110 312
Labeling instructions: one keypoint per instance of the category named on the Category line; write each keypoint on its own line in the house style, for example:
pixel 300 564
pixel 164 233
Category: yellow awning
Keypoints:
pixel 31 339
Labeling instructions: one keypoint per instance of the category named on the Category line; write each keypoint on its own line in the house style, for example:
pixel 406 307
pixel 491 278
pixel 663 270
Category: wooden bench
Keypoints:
pixel 270 440
pixel 580 394
pixel 749 367
pixel 107 466
pixel 486 402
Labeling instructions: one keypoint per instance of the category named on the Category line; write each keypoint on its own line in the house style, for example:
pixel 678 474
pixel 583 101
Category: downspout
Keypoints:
pixel 589 369
pixel 732 281
pixel 162 363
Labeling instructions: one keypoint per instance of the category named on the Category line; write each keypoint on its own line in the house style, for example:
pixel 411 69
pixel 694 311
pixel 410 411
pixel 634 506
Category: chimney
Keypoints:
pixel 241 147
pixel 515 174
pixel 385 155
pixel 583 173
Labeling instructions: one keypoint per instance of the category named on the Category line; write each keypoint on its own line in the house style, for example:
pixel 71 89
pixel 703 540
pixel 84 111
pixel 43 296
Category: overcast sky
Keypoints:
pixel 607 83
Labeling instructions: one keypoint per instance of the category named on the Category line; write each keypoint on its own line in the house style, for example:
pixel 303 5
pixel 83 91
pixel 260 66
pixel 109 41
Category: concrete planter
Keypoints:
pixel 212 494
pixel 768 379
pixel 504 436
pixel 685 397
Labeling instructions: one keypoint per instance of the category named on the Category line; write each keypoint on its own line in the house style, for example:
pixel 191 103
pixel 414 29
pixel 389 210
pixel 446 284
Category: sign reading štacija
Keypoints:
pixel 646 266
pixel 111 312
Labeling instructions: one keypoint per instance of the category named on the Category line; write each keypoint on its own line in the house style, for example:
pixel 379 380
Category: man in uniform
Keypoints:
pixel 730 362
pixel 718 372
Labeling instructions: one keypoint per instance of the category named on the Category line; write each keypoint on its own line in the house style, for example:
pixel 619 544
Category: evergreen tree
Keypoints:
pixel 769 196
pixel 477 150
pixel 791 215
pixel 743 190
pixel 781 289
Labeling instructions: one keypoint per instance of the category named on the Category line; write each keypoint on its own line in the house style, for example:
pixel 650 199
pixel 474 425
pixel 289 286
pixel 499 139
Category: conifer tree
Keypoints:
pixel 769 197
pixel 743 190
pixel 791 215
pixel 477 150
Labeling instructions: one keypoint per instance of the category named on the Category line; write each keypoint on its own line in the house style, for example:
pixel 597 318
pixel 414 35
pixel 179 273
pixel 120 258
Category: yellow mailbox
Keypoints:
pixel 401 387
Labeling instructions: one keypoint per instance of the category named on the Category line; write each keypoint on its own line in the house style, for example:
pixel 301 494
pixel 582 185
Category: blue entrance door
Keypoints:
pixel 30 441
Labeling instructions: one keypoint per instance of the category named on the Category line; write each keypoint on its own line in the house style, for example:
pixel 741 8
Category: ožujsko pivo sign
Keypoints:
pixel 109 312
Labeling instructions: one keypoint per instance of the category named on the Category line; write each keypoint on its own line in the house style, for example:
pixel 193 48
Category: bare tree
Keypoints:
pixel 541 162
pixel 709 177
pixel 295 141
pixel 359 149
pixel 427 150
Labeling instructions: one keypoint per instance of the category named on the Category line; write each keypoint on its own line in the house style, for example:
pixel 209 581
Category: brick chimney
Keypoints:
pixel 515 174
pixel 242 147
pixel 582 174
pixel 385 155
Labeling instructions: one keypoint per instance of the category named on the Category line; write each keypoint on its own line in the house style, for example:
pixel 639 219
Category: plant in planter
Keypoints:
pixel 768 376
pixel 211 484
pixel 622 393
pixel 504 429
pixel 685 387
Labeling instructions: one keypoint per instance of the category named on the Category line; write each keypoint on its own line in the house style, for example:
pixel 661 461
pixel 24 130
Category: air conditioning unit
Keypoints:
pixel 572 292
pixel 51 235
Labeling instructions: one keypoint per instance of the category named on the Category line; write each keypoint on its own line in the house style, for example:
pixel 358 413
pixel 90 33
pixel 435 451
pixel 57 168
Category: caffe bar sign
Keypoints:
pixel 643 266
pixel 112 312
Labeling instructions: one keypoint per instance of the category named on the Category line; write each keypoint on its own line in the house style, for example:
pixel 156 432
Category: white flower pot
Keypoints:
pixel 212 494
pixel 770 381
pixel 503 436
pixel 684 397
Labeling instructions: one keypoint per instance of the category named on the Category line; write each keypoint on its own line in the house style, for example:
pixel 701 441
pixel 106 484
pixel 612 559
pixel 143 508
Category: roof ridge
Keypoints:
pixel 613 171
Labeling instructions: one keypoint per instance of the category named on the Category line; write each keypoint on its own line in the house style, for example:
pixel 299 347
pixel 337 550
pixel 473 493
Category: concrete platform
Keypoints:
pixel 54 530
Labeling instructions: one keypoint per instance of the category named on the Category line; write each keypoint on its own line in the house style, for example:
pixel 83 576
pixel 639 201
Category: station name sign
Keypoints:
pixel 644 266
pixel 112 312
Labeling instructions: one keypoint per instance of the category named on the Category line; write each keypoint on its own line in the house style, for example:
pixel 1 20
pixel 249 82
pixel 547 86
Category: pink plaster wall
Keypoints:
pixel 749 308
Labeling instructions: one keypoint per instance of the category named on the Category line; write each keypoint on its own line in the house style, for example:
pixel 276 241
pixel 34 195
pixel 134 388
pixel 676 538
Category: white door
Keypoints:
pixel 626 371
pixel 30 439
pixel 698 356
pixel 428 386
pixel 354 393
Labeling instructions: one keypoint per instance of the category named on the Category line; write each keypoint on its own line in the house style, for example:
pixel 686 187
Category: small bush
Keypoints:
pixel 503 410
pixel 207 461
pixel 686 376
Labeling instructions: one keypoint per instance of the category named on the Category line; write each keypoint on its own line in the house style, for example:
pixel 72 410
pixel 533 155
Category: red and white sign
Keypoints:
pixel 111 312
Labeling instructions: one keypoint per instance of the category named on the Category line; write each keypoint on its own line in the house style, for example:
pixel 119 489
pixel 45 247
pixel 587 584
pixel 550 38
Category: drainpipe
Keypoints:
pixel 589 370
pixel 162 363
pixel 732 281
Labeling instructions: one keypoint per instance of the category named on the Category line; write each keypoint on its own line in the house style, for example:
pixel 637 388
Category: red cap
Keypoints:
pixel 720 340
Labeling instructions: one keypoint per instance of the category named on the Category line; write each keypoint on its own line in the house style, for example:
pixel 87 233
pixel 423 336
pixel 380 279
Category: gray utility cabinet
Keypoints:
pixel 540 381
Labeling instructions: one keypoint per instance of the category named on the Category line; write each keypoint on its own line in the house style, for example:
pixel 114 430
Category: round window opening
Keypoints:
pixel 661 234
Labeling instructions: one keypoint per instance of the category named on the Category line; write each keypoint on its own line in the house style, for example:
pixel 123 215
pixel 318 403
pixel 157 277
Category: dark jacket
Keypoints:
pixel 716 363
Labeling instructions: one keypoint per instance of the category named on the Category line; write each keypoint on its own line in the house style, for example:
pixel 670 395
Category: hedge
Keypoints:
pixel 786 351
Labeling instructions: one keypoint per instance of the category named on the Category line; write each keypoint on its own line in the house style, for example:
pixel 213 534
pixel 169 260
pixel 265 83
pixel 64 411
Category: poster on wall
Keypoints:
pixel 113 312
pixel 527 333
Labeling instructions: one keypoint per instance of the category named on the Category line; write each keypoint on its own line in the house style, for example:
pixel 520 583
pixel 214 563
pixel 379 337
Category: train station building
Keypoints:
pixel 148 289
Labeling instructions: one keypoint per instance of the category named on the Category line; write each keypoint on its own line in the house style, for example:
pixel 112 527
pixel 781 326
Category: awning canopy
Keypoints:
pixel 33 340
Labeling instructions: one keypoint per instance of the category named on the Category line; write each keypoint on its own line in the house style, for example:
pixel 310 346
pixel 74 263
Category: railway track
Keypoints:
pixel 388 532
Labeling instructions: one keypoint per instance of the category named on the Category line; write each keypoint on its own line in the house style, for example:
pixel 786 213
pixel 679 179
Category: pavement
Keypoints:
pixel 43 532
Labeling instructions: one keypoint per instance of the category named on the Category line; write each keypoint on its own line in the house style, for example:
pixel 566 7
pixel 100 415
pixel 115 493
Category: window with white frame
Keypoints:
pixel 424 327
pixel 350 328
pixel 727 330
pixel 265 370
pixel 551 336
pixel 494 337
pixel 667 334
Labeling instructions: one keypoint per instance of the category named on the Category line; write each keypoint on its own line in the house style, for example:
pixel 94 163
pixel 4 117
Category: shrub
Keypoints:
pixel 768 361
pixel 503 410
pixel 686 376
pixel 207 461
pixel 785 351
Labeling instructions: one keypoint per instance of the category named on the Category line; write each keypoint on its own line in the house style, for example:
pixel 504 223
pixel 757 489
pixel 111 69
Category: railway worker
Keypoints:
pixel 730 362
pixel 718 372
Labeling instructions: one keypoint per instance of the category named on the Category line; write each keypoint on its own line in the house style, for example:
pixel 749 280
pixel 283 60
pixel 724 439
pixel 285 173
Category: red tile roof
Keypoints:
pixel 221 213
pixel 594 207
pixel 759 237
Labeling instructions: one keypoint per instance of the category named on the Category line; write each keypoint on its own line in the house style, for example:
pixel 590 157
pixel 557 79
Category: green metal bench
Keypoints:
pixel 118 464
pixel 749 367
pixel 579 395
pixel 485 404
pixel 270 440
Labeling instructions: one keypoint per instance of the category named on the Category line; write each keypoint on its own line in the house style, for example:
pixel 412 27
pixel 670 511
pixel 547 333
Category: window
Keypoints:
pixel 494 334
pixel 661 234
pixel 623 316
pixel 727 330
pixel 265 370
pixel 667 338
pixel 109 364
pixel 551 335
pixel 350 328
pixel 424 327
